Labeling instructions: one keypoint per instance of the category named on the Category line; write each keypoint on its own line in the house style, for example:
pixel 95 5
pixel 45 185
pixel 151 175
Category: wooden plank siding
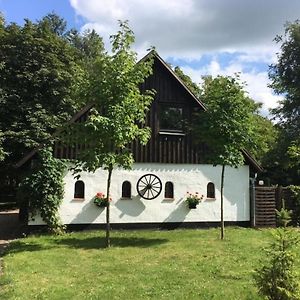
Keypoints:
pixel 163 147
pixel 265 205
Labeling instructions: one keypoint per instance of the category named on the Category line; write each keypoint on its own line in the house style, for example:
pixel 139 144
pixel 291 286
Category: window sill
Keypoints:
pixel 126 198
pixel 210 199
pixel 78 199
pixel 171 133
pixel 168 199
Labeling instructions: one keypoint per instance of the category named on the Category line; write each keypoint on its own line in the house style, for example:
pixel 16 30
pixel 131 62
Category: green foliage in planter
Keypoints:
pixel 43 189
pixel 276 279
pixel 192 200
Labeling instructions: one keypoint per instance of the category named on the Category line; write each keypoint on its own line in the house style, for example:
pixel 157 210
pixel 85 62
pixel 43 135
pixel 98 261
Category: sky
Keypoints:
pixel 203 37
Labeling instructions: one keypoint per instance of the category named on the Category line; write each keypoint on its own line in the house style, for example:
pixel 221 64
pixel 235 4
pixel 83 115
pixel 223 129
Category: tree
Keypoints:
pixel 265 132
pixel 42 69
pixel 227 125
pixel 118 114
pixel 276 279
pixel 265 135
pixel 37 81
pixel 193 87
pixel 2 153
pixel 294 153
pixel 285 76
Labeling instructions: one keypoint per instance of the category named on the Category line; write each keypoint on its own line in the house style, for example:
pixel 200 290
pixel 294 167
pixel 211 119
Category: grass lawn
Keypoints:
pixel 179 264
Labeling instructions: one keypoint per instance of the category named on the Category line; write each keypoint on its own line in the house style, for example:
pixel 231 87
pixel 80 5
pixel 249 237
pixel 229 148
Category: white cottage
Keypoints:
pixel 153 193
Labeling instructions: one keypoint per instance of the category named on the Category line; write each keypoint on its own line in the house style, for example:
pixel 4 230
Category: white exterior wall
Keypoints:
pixel 185 177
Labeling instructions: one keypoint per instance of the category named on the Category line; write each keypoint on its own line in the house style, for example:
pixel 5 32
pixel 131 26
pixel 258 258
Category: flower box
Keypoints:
pixel 100 200
pixel 192 200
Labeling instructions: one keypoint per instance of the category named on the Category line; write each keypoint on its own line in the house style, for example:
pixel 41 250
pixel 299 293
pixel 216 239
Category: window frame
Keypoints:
pixel 130 193
pixel 210 190
pixel 172 190
pixel 82 190
pixel 170 106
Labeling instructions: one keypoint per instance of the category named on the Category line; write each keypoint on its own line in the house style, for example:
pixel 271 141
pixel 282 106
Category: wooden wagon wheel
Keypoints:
pixel 149 186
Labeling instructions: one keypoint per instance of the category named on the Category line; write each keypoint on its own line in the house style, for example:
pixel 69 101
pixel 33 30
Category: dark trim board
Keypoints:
pixel 137 226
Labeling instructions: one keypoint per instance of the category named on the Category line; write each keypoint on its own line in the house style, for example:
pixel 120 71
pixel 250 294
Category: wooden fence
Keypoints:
pixel 265 205
pixel 267 199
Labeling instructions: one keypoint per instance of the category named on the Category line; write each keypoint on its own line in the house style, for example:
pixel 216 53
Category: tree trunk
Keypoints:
pixel 222 202
pixel 108 208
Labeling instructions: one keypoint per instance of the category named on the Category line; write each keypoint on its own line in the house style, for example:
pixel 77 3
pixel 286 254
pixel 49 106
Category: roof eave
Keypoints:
pixel 252 161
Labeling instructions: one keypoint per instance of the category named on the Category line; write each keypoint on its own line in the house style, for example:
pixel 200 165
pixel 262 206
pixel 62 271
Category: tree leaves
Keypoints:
pixel 119 110
pixel 37 78
pixel 42 190
pixel 227 125
pixel 285 77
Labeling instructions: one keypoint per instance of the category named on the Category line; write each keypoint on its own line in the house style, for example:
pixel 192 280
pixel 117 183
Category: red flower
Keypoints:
pixel 100 195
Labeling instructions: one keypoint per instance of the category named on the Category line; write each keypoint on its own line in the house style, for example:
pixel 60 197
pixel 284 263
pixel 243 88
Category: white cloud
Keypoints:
pixel 191 29
pixel 256 83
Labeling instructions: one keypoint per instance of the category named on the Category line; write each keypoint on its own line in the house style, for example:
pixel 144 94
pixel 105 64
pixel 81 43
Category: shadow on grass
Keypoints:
pixel 77 243
pixel 23 246
pixel 121 242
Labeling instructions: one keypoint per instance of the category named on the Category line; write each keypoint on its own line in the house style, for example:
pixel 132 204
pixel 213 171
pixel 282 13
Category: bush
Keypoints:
pixel 43 189
pixel 276 279
pixel 295 196
pixel 284 216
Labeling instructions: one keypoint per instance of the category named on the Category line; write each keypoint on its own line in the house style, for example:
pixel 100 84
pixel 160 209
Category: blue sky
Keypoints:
pixel 18 10
pixel 201 36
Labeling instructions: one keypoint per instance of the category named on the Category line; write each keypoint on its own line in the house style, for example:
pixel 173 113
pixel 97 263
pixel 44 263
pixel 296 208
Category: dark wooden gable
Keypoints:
pixel 164 146
pixel 168 146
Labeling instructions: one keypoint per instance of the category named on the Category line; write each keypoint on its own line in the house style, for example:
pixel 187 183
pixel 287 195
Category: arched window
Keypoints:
pixel 169 190
pixel 126 189
pixel 210 190
pixel 79 189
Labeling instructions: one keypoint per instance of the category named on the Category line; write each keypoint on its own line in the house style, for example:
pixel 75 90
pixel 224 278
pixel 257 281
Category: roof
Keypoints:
pixel 248 158
pixel 251 161
pixel 153 53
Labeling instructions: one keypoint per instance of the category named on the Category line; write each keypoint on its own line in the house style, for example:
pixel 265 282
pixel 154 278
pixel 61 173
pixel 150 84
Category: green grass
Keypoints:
pixel 179 264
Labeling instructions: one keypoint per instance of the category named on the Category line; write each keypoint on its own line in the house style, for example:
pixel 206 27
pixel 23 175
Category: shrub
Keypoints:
pixel 295 195
pixel 284 216
pixel 43 189
pixel 276 279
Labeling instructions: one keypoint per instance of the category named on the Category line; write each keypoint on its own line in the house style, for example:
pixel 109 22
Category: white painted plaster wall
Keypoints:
pixel 185 177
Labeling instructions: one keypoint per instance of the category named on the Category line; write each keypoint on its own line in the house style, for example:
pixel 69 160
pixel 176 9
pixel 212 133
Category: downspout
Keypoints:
pixel 252 201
